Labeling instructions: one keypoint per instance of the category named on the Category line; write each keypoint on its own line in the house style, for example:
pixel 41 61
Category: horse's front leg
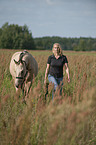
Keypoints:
pixel 18 90
pixel 27 89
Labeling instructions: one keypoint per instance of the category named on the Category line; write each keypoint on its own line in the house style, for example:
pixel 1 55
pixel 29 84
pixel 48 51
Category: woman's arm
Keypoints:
pixel 46 72
pixel 67 71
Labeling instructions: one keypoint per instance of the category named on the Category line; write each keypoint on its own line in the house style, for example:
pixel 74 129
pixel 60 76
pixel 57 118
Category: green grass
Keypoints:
pixel 69 119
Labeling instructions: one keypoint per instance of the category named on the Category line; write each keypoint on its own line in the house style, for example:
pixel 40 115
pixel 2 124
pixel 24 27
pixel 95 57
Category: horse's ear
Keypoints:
pixel 21 61
pixel 16 62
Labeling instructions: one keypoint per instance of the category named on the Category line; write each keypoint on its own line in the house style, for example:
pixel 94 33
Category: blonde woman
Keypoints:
pixel 55 66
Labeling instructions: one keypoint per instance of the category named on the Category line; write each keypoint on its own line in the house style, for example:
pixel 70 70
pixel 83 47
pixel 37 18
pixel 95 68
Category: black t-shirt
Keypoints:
pixel 56 65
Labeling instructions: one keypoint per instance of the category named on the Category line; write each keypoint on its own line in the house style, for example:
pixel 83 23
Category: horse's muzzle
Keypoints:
pixel 17 86
pixel 18 83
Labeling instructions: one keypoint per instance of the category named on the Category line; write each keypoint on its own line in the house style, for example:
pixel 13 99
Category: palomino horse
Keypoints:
pixel 23 68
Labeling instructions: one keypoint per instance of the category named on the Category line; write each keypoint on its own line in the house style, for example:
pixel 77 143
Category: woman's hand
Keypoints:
pixel 45 81
pixel 69 80
pixel 46 73
pixel 67 71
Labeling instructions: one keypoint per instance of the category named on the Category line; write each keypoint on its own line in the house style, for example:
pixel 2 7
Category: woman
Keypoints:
pixel 55 66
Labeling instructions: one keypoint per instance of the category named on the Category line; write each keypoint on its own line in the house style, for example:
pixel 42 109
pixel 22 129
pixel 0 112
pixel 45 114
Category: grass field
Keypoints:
pixel 69 119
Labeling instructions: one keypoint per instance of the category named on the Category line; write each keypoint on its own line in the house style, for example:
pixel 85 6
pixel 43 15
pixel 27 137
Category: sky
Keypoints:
pixel 63 18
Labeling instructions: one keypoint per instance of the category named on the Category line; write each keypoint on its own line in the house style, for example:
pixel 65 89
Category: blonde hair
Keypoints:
pixel 60 49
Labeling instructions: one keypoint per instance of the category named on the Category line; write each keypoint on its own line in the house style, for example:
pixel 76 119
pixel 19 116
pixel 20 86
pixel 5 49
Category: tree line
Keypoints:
pixel 20 37
pixel 76 44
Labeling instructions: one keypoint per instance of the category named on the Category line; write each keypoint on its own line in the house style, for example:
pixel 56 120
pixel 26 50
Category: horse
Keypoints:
pixel 23 68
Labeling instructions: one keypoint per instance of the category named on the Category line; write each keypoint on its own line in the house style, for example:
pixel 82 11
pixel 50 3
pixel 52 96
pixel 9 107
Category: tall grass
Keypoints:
pixel 69 119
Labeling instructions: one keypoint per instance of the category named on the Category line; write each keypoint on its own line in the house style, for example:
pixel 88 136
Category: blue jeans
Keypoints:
pixel 56 82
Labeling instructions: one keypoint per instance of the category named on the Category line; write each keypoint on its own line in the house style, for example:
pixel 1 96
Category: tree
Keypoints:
pixel 16 37
pixel 82 45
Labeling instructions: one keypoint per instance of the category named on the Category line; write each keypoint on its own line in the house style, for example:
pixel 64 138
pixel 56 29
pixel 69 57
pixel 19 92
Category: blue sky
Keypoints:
pixel 64 18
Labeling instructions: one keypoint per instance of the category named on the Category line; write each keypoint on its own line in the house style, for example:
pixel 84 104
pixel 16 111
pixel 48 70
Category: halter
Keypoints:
pixel 20 60
pixel 22 78
pixel 19 78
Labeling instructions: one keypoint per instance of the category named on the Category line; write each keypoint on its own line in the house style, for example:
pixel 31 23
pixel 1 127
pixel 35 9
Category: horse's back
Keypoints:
pixel 32 65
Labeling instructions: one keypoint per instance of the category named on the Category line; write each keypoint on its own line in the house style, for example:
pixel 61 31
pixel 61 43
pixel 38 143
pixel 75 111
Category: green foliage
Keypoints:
pixel 19 37
pixel 76 44
pixel 16 37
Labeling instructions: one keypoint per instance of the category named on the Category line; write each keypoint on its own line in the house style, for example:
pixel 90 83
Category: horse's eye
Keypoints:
pixel 22 72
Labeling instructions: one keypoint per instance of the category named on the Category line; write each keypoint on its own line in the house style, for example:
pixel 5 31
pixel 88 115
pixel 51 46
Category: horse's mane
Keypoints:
pixel 21 55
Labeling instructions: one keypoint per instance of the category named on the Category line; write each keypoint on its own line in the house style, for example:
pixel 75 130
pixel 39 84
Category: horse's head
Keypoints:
pixel 21 72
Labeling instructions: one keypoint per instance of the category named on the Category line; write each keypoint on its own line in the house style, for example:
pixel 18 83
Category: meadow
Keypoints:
pixel 69 119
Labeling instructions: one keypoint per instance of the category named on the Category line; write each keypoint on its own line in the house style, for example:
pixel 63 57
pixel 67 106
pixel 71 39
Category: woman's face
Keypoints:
pixel 56 49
